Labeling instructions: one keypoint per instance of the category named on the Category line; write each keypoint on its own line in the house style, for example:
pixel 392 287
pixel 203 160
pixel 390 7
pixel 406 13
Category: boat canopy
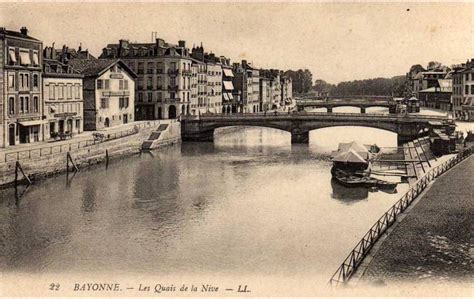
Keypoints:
pixel 350 156
pixel 362 150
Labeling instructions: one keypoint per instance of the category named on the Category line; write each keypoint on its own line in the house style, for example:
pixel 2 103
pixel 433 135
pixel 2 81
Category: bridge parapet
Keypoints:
pixel 407 127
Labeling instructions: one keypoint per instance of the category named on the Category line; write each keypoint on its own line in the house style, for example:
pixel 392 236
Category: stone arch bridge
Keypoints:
pixel 407 128
pixel 360 102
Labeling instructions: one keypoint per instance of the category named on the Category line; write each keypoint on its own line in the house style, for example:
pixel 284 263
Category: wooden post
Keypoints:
pixel 18 167
pixel 106 157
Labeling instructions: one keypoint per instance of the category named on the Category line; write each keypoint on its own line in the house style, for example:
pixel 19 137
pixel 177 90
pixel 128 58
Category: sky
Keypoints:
pixel 335 41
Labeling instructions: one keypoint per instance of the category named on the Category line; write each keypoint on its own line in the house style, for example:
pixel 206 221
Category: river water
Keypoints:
pixel 248 205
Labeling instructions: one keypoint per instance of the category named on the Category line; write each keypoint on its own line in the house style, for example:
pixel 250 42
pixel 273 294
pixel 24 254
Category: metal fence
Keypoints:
pixel 61 148
pixel 362 249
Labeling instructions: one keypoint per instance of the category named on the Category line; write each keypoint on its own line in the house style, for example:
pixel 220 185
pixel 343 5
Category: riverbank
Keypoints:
pixel 42 160
pixel 433 243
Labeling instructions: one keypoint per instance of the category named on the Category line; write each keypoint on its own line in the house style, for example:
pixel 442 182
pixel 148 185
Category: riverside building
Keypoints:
pixel 108 92
pixel 21 117
pixel 62 95
pixel 163 87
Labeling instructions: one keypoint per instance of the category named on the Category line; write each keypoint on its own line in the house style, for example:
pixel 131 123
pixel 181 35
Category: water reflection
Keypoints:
pixel 346 194
pixel 249 204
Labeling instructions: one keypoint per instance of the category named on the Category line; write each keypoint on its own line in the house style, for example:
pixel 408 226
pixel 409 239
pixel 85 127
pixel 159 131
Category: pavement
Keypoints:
pixel 434 243
pixel 87 135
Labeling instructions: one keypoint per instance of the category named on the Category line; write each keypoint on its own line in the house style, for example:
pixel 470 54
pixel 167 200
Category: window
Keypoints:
pixel 125 84
pixel 51 92
pixel 12 55
pixel 35 81
pixel 27 105
pixel 22 81
pixel 35 104
pixel 11 105
pixel 149 83
pixel 466 89
pixel 150 97
pixel 121 103
pixel 127 100
pixel 25 57
pixel 22 105
pixel 159 97
pixel 60 89
pixel 35 58
pixel 140 97
pixel 11 81
pixel 106 83
pixel 120 84
pixel 77 92
pixel 27 81
pixel 69 91
pixel 104 103
pixel 100 84
pixel 173 81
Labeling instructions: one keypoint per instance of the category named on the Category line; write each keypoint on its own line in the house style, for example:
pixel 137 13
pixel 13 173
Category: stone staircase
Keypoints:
pixel 151 142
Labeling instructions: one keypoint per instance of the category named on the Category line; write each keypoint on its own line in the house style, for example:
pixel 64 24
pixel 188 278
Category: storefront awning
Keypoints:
pixel 226 97
pixel 228 73
pixel 231 97
pixel 28 123
pixel 25 58
pixel 228 85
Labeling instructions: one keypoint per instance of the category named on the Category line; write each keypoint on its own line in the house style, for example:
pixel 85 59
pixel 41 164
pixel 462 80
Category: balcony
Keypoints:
pixel 173 87
pixel 173 72
pixel 173 100
pixel 187 73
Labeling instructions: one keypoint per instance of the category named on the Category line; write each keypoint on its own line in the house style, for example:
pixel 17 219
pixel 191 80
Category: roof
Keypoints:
pixel 435 90
pixel 59 69
pixel 446 84
pixel 349 156
pixel 355 146
pixel 93 67
pixel 17 34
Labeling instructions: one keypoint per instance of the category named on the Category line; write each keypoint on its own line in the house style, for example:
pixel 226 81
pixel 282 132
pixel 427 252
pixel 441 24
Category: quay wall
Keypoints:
pixel 41 167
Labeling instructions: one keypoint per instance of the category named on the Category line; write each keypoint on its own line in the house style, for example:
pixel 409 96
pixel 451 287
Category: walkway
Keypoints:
pixel 11 152
pixel 433 243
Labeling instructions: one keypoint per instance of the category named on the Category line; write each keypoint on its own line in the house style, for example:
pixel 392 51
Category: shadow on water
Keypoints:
pixel 348 195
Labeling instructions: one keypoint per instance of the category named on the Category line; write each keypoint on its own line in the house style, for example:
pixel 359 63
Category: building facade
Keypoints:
pixel 246 83
pixel 108 92
pixel 163 87
pixel 425 80
pixel 62 96
pixel 286 90
pixel 229 103
pixel 21 109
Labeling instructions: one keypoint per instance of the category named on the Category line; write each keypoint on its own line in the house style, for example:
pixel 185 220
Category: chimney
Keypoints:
pixel 160 42
pixel 24 31
pixel 182 43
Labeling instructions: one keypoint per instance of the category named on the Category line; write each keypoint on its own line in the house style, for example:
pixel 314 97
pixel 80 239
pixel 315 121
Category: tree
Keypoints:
pixel 302 80
pixel 435 66
pixel 321 86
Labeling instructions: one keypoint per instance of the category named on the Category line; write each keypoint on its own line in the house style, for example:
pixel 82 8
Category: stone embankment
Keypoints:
pixel 433 243
pixel 47 161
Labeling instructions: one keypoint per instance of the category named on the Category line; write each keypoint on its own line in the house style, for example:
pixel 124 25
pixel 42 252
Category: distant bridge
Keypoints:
pixel 361 102
pixel 299 124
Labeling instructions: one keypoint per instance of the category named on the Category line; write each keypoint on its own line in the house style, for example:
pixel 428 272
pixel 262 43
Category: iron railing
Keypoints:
pixel 362 249
pixel 21 155
pixel 311 114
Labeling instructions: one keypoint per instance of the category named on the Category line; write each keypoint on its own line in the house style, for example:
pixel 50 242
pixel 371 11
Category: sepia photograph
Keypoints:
pixel 236 149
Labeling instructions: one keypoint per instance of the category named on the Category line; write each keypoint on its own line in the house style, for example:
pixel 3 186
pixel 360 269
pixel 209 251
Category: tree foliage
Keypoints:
pixel 302 80
pixel 378 87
